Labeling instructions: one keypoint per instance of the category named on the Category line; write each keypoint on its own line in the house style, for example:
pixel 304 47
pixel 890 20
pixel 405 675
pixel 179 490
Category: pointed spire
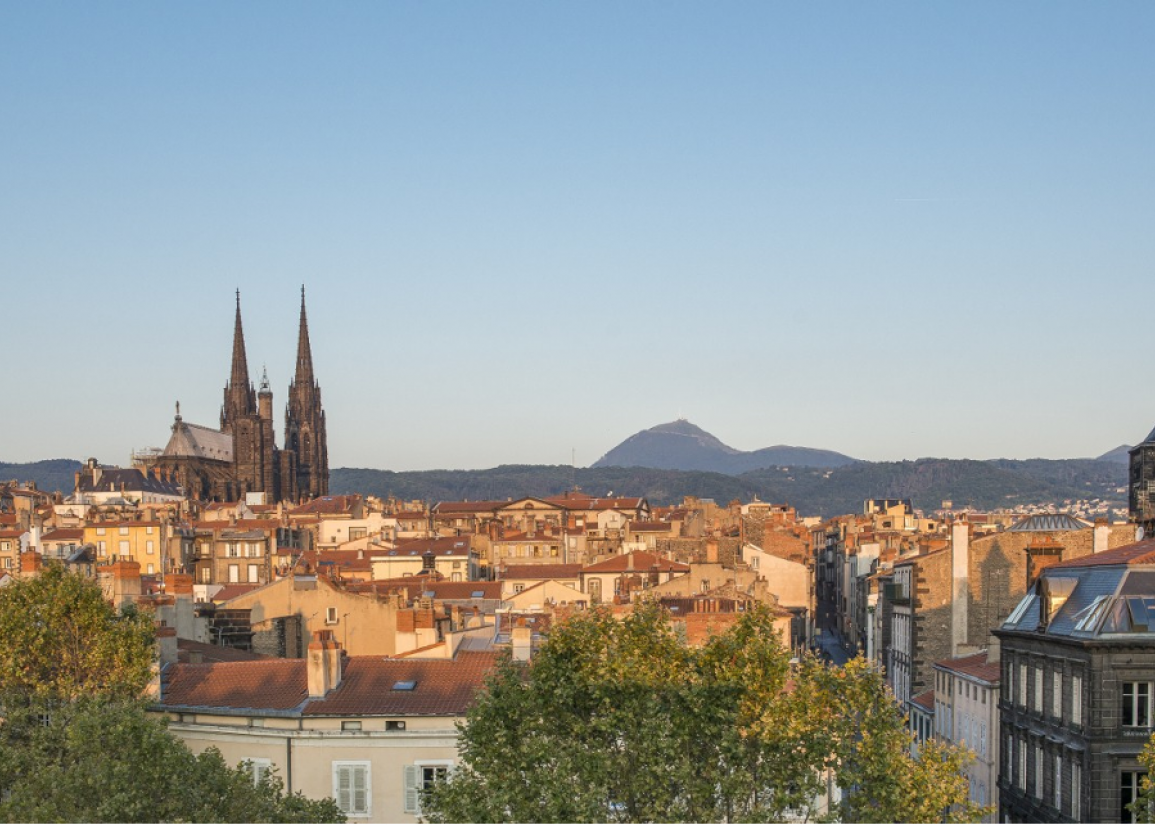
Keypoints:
pixel 239 377
pixel 304 351
pixel 265 379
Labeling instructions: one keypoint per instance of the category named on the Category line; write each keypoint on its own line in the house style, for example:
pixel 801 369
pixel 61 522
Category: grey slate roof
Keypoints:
pixel 1048 523
pixel 195 441
pixel 115 479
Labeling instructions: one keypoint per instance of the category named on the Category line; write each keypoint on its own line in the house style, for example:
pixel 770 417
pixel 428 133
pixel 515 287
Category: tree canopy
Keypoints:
pixel 622 721
pixel 63 640
pixel 76 741
pixel 99 760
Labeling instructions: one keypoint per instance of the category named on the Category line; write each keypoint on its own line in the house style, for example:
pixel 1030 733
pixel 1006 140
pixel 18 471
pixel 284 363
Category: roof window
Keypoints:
pixel 408 685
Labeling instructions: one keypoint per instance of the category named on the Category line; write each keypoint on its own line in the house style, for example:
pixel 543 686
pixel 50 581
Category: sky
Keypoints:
pixel 530 230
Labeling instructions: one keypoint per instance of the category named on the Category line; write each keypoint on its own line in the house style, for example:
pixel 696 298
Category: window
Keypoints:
pixel 1076 790
pixel 330 615
pixel 1038 706
pixel 1023 685
pixel 1076 700
pixel 351 725
pixel 1038 772
pixel 517 588
pixel 149 547
pixel 1022 777
pixel 1058 782
pixel 234 574
pixel 395 724
pixel 232 551
pixel 151 569
pixel 257 768
pixel 123 530
pixel 254 572
pixel 1136 704
pixel 1057 695
pixel 122 548
pixel 101 547
pixel 148 529
pixel 100 531
pixel 418 779
pixel 351 787
pixel 1128 792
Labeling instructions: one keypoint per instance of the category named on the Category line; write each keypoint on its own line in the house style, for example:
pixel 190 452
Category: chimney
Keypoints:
pixel 1102 534
pixel 960 535
pixel 323 664
pixel 166 645
pixel 522 639
pixel 29 564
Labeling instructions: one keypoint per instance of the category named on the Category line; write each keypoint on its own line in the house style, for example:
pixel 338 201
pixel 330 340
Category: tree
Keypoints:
pixel 76 742
pixel 621 721
pixel 100 760
pixel 63 640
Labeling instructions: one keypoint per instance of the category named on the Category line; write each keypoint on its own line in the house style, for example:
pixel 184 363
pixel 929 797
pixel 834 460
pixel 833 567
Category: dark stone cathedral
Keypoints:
pixel 242 456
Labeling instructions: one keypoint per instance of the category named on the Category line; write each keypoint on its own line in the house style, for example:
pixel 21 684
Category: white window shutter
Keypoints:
pixel 344 789
pixel 412 789
pixel 360 789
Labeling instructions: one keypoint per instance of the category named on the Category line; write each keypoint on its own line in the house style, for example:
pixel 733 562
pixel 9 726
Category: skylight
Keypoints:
pixel 1088 617
pixel 404 685
pixel 1018 612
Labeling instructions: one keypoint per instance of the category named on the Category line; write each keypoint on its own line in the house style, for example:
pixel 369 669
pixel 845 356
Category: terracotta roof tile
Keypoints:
pixel 275 684
pixel 541 571
pixel 639 562
pixel 1142 552
pixel 444 687
pixel 975 665
pixel 924 700
pixel 63 534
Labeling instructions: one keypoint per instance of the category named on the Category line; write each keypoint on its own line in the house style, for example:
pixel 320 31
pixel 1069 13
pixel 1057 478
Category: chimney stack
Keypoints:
pixel 522 639
pixel 323 664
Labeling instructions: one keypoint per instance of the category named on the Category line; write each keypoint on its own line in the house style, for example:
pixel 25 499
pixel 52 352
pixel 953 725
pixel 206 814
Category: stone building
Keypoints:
pixel 242 456
pixel 1142 484
pixel 1078 669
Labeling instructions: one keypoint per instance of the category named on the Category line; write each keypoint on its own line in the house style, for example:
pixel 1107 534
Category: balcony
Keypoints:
pixel 896 594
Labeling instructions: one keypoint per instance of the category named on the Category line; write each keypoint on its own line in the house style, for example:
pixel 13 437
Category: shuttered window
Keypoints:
pixel 418 778
pixel 351 787
pixel 258 768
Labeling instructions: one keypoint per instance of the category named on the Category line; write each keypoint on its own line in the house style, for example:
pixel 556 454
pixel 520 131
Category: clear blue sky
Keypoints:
pixel 889 229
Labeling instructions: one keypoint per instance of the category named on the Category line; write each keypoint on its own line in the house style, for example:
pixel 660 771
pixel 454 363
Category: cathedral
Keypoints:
pixel 242 456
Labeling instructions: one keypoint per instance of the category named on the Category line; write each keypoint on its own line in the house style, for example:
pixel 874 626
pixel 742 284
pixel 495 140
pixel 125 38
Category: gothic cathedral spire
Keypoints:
pixel 239 399
pixel 305 438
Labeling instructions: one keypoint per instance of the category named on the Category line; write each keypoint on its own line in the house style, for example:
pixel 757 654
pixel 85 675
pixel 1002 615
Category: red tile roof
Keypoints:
pixel 445 687
pixel 275 684
pixel 1142 552
pixel 924 700
pixel 328 505
pixel 650 526
pixel 640 562
pixel 63 534
pixel 446 508
pixel 975 665
pixel 449 546
pixel 541 571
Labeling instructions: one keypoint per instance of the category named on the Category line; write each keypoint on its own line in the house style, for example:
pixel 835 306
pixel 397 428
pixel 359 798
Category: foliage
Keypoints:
pixel 107 761
pixel 63 640
pixel 1144 805
pixel 620 721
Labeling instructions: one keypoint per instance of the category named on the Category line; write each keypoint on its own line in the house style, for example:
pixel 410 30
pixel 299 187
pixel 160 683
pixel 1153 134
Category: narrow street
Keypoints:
pixel 831 648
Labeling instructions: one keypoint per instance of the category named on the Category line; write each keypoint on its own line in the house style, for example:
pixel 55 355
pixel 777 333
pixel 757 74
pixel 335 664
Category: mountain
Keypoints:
pixel 825 492
pixel 1121 454
pixel 681 445
pixel 50 475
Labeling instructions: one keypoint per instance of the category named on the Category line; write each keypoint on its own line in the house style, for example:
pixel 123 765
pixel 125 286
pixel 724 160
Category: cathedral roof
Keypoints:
pixel 195 441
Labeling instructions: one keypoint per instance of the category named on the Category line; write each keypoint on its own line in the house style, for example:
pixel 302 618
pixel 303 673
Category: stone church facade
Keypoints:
pixel 242 456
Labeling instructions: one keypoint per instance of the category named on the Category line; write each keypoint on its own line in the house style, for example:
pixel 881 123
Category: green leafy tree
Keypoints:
pixel 62 640
pixel 1144 805
pixel 621 721
pixel 98 760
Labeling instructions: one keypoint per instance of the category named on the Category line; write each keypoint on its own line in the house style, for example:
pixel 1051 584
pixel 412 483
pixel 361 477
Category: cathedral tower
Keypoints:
pixel 254 452
pixel 305 437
